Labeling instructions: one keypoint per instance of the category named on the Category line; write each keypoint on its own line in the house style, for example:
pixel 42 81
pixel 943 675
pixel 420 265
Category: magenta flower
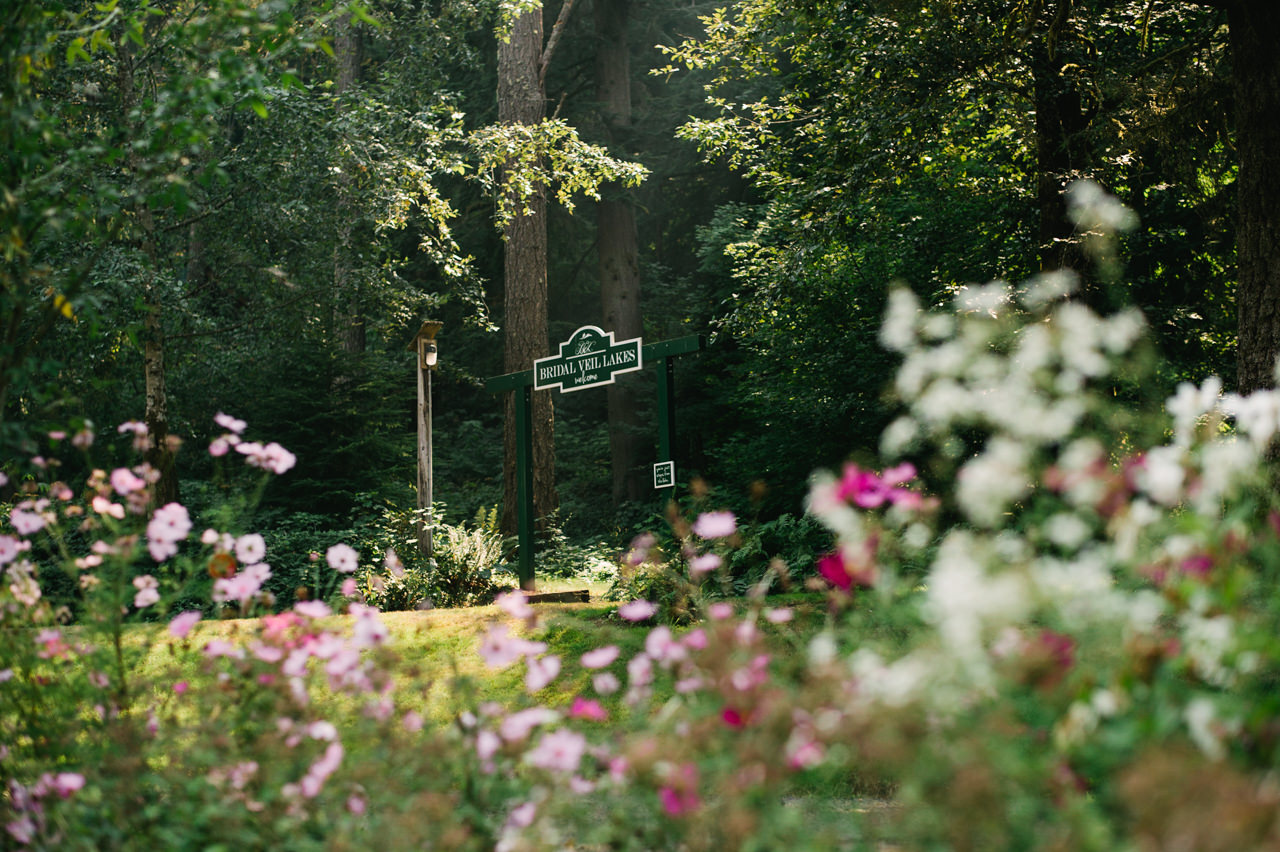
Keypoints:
pixel 715 525
pixel 831 567
pixel 680 797
pixel 587 708
pixel 1199 566
pixel 637 610
pixel 836 570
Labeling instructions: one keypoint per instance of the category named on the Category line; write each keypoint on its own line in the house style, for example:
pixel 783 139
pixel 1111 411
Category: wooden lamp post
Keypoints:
pixel 424 343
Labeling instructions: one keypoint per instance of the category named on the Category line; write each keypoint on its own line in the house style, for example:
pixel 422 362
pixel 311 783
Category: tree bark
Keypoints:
pixel 617 243
pixel 160 453
pixel 521 99
pixel 1061 156
pixel 1254 36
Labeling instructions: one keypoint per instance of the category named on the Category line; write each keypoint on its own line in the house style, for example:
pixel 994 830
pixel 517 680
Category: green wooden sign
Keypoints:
pixel 588 359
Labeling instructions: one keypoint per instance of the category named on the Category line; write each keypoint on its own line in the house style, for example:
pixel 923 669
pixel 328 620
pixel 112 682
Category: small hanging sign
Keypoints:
pixel 664 474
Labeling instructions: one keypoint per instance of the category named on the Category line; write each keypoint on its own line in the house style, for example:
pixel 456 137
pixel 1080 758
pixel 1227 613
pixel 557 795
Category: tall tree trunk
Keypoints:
pixel 617 243
pixel 1255 60
pixel 160 448
pixel 348 313
pixel 1060 124
pixel 521 99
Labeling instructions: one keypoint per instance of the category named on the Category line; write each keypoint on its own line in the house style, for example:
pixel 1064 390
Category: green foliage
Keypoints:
pixel 459 572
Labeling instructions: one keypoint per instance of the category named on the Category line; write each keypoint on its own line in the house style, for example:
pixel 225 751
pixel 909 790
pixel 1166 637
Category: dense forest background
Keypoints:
pixel 251 207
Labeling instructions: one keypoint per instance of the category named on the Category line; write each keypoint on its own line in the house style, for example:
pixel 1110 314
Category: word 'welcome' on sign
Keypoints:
pixel 588 359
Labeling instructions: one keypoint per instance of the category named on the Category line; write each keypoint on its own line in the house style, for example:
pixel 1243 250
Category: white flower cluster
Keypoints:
pixel 1013 387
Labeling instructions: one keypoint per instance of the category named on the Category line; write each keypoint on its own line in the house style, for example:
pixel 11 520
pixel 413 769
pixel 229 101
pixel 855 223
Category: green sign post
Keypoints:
pixel 589 358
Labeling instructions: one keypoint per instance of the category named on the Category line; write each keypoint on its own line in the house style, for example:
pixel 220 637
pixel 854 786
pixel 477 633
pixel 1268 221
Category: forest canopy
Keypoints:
pixel 250 207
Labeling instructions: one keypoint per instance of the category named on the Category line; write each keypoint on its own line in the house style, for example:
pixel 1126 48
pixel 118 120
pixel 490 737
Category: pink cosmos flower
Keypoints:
pixel 148 593
pixel 514 604
pixel 231 424
pixel 778 615
pixel 715 525
pixel 587 708
pixel 368 629
pixel 605 683
pixel 600 657
pixel 558 751
pixel 637 610
pixel 25 521
pixel 348 589
pixel 720 610
pixel 541 671
pixel 312 609
pixel 499 649
pixel 696 639
pixel 704 563
pixel 319 772
pixel 22 829
pixel 487 745
pixel 215 648
pixel 663 647
pixel 106 508
pixel 804 753
pixel 125 481
pixel 640 547
pixel 251 548
pixel 54 647
pixel 518 725
pixel 522 816
pixel 272 457
pixel 8 549
pixel 640 670
pixel 393 563
pixel 342 558
pixel 170 523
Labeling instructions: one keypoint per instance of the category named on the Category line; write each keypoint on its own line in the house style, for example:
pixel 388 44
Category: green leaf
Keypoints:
pixel 258 106
pixel 75 50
